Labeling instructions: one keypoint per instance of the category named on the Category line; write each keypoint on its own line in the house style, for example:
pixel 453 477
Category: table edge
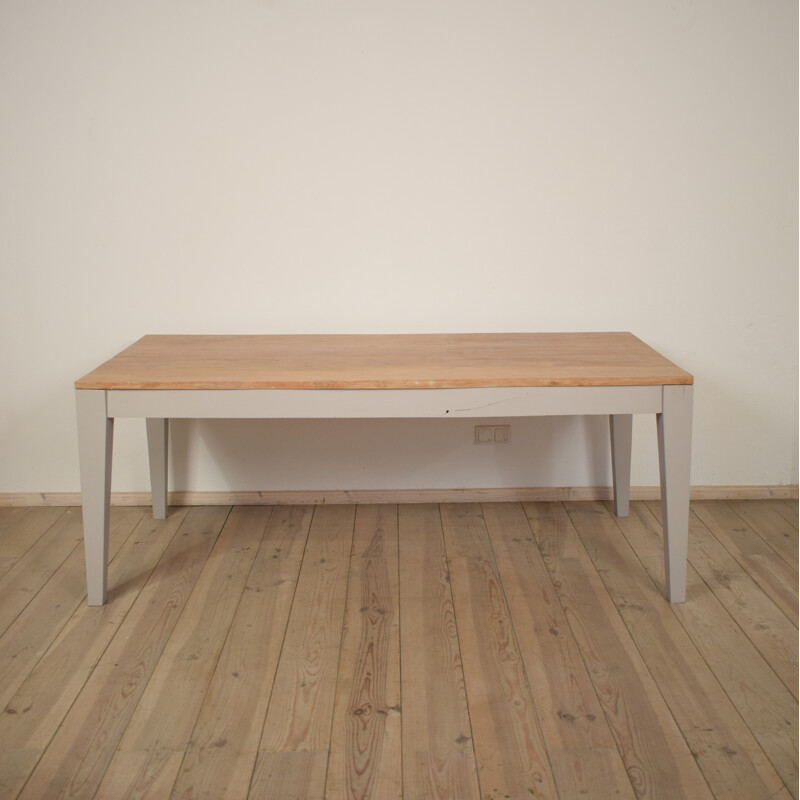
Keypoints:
pixel 372 385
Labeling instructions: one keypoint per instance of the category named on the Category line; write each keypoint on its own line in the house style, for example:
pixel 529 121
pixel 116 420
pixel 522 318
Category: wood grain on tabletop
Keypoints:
pixel 392 361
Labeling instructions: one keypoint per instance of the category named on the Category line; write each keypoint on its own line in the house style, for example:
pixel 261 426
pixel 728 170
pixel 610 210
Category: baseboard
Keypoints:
pixel 364 496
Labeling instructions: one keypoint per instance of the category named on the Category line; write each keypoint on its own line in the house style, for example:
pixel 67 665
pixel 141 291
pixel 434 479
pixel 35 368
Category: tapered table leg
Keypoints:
pixel 95 444
pixel 675 456
pixel 621 436
pixel 158 450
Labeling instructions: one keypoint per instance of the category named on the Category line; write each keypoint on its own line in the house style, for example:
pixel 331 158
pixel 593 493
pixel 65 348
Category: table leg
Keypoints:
pixel 621 436
pixel 95 444
pixel 158 451
pixel 675 455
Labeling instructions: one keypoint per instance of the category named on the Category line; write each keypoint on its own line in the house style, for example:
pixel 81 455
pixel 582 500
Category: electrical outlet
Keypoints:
pixel 492 434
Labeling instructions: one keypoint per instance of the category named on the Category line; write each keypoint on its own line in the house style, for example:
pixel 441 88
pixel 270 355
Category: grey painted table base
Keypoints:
pixel 672 404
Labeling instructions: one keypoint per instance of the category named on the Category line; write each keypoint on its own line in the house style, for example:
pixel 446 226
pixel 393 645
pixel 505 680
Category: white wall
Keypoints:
pixel 284 167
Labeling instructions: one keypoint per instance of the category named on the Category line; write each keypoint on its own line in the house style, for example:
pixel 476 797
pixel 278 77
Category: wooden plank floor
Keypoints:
pixel 503 650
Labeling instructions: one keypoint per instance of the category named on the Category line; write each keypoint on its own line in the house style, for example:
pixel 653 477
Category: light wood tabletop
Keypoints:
pixel 391 361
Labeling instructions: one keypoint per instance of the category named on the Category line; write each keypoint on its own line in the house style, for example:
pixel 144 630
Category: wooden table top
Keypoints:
pixel 396 361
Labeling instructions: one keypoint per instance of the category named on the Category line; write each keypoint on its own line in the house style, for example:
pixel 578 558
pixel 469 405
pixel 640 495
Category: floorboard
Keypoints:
pixel 222 752
pixel 366 760
pixel 503 650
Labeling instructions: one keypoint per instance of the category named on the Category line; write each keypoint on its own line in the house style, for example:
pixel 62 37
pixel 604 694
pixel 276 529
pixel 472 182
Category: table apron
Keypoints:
pixel 383 403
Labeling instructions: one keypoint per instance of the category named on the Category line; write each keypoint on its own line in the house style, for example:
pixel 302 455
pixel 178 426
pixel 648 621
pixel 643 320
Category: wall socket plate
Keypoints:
pixel 492 434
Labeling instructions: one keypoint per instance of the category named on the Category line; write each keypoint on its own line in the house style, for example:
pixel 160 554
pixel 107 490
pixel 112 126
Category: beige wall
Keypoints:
pixel 400 167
